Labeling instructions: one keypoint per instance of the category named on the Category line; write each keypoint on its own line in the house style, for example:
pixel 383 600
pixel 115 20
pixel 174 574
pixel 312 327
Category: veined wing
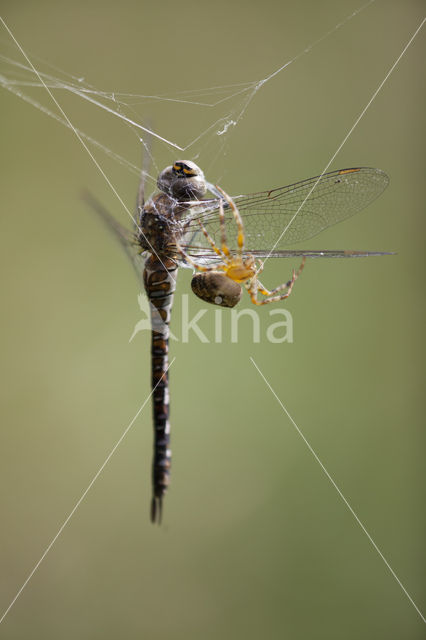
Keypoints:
pixel 124 236
pixel 128 241
pixel 206 256
pixel 284 216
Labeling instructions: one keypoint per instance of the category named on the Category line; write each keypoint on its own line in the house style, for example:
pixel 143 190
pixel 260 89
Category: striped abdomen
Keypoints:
pixel 160 284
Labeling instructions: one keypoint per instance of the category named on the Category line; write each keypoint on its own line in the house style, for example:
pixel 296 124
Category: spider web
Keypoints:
pixel 210 114
pixel 224 107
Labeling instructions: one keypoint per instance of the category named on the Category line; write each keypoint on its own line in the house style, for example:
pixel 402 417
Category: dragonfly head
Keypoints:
pixel 184 180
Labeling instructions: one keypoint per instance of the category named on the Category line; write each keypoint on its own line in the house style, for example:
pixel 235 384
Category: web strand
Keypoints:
pixel 336 487
pixel 355 124
pixel 242 93
pixel 232 100
pixel 82 497
pixel 96 163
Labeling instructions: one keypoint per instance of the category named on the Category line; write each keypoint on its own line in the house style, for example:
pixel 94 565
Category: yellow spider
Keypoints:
pixel 220 283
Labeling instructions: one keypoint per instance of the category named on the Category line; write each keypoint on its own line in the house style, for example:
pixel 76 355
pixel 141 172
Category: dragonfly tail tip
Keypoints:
pixel 156 509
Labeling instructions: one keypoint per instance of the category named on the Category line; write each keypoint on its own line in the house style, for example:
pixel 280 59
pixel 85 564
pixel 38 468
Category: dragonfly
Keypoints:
pixel 224 240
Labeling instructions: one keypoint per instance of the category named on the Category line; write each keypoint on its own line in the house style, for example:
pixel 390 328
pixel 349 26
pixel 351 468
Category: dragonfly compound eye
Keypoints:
pixel 216 288
pixel 184 181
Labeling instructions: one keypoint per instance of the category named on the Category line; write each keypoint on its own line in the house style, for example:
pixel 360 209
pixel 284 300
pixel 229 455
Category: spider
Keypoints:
pixel 221 283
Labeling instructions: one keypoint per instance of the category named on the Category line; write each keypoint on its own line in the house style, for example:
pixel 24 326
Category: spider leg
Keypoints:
pixel 259 288
pixel 195 264
pixel 254 287
pixel 287 284
pixel 225 249
pixel 210 240
pixel 301 267
pixel 238 219
pixel 259 268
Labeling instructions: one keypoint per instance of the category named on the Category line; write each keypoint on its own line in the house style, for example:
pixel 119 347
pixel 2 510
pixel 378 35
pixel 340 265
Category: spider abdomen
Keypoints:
pixel 216 288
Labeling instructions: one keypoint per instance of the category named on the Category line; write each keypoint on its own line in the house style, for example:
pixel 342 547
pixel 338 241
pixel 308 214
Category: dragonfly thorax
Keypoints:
pixel 159 224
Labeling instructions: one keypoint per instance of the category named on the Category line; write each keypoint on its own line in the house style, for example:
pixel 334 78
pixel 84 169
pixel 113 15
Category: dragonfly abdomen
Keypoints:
pixel 160 284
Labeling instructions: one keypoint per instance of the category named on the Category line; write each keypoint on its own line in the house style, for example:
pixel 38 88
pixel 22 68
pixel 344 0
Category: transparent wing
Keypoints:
pixel 124 236
pixel 284 216
pixel 204 256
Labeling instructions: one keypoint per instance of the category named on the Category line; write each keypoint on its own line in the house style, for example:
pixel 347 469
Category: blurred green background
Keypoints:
pixel 255 543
